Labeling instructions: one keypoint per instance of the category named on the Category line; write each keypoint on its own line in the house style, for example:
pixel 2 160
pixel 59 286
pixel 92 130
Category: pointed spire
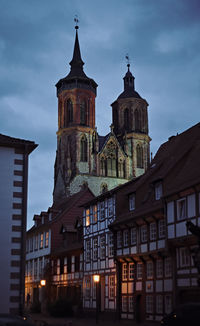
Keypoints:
pixel 128 78
pixel 76 62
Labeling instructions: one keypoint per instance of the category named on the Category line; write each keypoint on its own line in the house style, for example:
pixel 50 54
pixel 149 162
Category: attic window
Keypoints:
pixel 87 217
pixel 132 202
pixel 158 190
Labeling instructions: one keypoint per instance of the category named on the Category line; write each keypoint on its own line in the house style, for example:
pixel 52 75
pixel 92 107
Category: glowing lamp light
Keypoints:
pixel 43 282
pixel 96 278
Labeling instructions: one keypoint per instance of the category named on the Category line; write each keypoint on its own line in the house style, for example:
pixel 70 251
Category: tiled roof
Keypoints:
pixel 17 142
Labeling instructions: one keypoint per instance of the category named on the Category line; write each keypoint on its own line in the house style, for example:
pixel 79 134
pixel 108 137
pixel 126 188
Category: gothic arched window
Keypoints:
pixel 83 149
pixel 102 167
pixel 126 119
pixel 137 120
pixel 68 112
pixel 121 169
pixel 83 115
pixel 111 167
pixel 139 153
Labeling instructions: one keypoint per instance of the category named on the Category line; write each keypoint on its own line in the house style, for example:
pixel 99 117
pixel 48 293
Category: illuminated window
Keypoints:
pixel 111 287
pixel 133 236
pixel 95 214
pixel 41 240
pixel 46 239
pixel 87 217
pixel 124 272
pixel 132 202
pixel 95 249
pixel 152 231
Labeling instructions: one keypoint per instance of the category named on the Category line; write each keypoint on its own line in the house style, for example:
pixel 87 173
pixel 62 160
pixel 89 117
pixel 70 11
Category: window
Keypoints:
pixel 36 242
pixel 95 214
pixel 83 149
pixel 131 302
pixel 126 120
pixel 149 304
pixel 31 244
pixel 102 210
pixel 133 236
pixel 102 167
pixel 77 263
pixel 131 271
pixel 159 304
pixel 139 270
pixel 46 239
pixel 110 245
pixel 159 268
pixel 61 265
pixel 181 209
pixel 35 267
pixel 40 267
pixel 125 238
pixel 102 247
pixel 184 257
pixel 83 113
pixel 111 166
pixel 87 217
pixel 87 288
pixel 152 231
pixel 41 240
pixel 132 202
pixel 168 267
pixel 111 287
pixel 158 190
pixel 143 233
pixel 124 303
pixel 124 272
pixel 87 250
pixel 137 121
pixel 95 249
pixel 119 239
pixel 161 228
pixel 149 269
pixel 121 168
pixel 110 207
pixel 139 153
pixel 168 304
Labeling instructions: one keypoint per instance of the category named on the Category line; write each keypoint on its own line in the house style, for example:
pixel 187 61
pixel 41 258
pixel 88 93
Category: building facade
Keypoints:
pixel 14 154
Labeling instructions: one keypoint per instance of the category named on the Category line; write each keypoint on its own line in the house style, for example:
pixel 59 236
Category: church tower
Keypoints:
pixel 130 121
pixel 76 125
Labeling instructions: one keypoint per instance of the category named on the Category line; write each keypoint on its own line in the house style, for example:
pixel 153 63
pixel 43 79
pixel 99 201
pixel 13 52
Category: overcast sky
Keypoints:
pixel 162 38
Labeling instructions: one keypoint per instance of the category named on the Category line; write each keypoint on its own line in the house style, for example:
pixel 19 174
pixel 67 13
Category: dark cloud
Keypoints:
pixel 36 45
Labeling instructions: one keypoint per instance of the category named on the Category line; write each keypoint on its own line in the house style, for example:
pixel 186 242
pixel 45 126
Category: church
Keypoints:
pixel 83 157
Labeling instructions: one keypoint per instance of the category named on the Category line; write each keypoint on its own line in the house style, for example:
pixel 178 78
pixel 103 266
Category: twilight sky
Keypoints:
pixel 162 38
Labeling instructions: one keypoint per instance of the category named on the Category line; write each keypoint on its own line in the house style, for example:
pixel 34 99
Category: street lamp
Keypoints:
pixel 96 279
pixel 42 282
pixel 43 302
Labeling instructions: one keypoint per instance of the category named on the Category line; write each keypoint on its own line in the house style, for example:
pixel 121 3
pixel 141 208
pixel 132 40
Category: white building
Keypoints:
pixel 13 203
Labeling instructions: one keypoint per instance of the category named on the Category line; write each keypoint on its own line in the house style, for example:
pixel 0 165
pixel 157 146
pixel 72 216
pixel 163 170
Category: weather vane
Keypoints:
pixel 76 21
pixel 128 60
